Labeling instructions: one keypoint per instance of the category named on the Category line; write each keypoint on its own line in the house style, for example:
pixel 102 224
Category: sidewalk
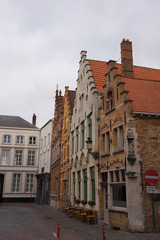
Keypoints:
pixel 39 222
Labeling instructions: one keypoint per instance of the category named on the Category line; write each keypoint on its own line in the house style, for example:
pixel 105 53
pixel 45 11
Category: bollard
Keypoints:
pixel 58 230
pixel 103 228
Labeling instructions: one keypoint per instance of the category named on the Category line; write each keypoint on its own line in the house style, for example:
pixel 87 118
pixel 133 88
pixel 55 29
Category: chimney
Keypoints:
pixel 126 58
pixel 34 120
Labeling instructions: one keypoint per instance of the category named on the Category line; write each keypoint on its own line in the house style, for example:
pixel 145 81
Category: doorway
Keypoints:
pixel 106 211
pixel 1 186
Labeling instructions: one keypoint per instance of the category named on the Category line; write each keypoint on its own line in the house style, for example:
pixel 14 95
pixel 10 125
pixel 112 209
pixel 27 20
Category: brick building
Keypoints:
pixel 55 152
pixel 129 144
pixel 65 170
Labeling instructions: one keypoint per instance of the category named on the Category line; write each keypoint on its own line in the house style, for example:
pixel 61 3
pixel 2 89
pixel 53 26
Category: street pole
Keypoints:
pixel 153 214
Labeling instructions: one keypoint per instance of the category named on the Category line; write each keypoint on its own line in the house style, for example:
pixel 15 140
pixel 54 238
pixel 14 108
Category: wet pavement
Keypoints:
pixel 40 222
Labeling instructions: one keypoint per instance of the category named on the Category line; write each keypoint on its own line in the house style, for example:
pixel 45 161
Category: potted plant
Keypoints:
pixel 83 202
pixel 131 174
pixel 91 203
pixel 77 201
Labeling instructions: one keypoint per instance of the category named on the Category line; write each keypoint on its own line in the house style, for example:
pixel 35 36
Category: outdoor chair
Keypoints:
pixel 91 218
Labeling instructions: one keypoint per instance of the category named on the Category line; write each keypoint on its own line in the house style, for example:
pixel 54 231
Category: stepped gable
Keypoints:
pixel 15 122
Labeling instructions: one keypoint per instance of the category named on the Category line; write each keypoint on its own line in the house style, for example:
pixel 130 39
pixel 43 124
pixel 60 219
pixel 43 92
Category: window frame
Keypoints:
pixel 17 178
pixel 8 139
pixel 19 155
pixel 32 155
pixel 4 151
pixel 19 139
pixel 32 140
pixel 30 181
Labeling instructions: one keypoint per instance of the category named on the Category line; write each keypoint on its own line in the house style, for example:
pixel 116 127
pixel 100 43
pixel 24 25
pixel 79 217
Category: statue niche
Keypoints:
pixel 130 138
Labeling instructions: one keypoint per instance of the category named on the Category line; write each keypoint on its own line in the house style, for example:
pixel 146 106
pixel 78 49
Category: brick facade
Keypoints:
pixel 55 153
pixel 65 170
pixel 128 146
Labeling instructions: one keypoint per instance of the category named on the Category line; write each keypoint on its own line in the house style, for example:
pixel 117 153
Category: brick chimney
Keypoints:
pixel 126 58
pixel 34 120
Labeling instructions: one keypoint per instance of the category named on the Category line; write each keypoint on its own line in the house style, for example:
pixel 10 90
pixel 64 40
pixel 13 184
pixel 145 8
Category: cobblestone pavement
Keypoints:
pixel 22 222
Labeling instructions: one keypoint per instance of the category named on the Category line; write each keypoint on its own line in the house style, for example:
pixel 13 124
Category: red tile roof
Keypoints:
pixel 144 93
pixel 144 88
pixel 99 69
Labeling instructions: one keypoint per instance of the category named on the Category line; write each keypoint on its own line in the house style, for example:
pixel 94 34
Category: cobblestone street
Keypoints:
pixel 22 222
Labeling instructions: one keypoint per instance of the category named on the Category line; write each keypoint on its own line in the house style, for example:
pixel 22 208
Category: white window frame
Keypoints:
pixel 19 139
pixel 17 180
pixel 29 181
pixel 32 140
pixel 5 157
pixel 31 158
pixel 18 157
pixel 7 139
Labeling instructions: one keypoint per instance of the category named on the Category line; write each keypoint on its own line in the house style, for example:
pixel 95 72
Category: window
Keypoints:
pixel 77 136
pixel 16 182
pixel 18 158
pixel 49 138
pixel 79 185
pixel 29 181
pixel 82 133
pixel 118 188
pixel 90 126
pixel 119 195
pixel 93 183
pixel 74 189
pixel 110 97
pixel 41 143
pixel 106 143
pixel 6 139
pixel 5 157
pixel 119 140
pixel 72 142
pixel 19 140
pixel 31 158
pixel 32 140
pixel 85 183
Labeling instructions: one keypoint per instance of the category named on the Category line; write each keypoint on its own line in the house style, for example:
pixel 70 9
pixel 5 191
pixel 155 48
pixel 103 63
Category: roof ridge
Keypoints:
pixel 144 79
pixel 146 67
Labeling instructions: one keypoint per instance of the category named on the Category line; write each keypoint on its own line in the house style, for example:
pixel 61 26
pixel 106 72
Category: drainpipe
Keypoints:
pixel 143 198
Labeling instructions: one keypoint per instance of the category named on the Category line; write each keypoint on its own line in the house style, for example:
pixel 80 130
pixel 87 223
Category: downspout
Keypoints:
pixel 143 198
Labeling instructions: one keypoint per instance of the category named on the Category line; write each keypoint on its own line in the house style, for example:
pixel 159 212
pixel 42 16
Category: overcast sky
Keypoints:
pixel 41 41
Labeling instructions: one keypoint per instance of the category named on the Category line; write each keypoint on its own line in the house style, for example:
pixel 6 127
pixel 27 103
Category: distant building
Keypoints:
pixel 19 144
pixel 44 167
pixel 56 149
pixel 65 167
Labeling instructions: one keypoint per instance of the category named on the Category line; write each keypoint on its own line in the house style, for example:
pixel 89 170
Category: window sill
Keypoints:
pixel 118 150
pixel 110 110
pixel 118 209
pixel 105 154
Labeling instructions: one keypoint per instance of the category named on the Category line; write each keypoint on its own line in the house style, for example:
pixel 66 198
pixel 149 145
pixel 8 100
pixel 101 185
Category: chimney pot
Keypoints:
pixel 34 120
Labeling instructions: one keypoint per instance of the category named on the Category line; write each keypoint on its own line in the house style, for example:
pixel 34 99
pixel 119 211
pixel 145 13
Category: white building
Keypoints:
pixel 84 135
pixel 44 168
pixel 19 144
